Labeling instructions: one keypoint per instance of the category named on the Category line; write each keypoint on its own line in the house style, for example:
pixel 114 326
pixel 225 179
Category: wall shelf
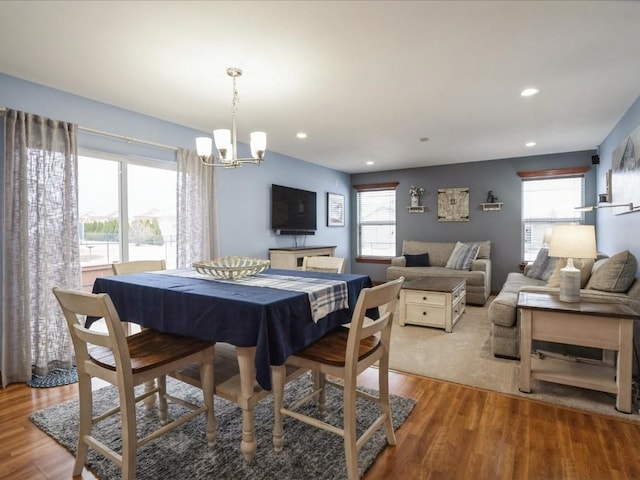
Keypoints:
pixel 416 209
pixel 486 207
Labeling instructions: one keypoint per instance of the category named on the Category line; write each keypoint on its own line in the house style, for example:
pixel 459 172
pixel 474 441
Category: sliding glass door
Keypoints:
pixel 127 210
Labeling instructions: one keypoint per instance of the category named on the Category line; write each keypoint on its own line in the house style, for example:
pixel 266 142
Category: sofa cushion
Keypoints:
pixel 420 260
pixel 583 264
pixel 543 266
pixel 463 256
pixel 614 274
pixel 485 249
pixel 502 310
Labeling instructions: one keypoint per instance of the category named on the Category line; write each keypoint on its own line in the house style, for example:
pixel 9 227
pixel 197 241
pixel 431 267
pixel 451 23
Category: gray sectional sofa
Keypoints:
pixel 605 280
pixel 478 275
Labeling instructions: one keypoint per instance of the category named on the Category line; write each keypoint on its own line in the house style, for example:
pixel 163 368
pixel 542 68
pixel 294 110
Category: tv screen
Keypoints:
pixel 292 209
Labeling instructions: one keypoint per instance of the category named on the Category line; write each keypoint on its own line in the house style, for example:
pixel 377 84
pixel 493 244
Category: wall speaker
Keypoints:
pixel 595 159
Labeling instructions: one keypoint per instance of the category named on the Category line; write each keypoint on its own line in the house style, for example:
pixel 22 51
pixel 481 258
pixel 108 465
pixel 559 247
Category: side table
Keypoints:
pixel 433 302
pixel 600 325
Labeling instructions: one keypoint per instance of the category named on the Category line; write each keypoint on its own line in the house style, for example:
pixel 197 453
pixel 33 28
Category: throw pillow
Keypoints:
pixel 543 266
pixel 421 260
pixel 616 274
pixel 463 256
pixel 583 264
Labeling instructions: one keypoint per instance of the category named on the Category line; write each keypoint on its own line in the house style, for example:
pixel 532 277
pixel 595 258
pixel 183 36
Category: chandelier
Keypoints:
pixel 225 140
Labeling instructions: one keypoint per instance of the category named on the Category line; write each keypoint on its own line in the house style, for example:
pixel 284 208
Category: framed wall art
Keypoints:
pixel 335 210
pixel 453 204
pixel 625 181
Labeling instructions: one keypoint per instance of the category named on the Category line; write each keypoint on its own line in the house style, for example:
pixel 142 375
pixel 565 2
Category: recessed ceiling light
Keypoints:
pixel 528 92
pixel 530 144
pixel 370 162
pixel 301 135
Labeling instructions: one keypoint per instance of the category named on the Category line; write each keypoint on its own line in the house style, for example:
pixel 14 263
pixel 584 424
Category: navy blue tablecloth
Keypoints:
pixel 277 322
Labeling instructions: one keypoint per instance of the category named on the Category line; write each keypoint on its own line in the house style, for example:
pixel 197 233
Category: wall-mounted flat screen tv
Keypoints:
pixel 293 211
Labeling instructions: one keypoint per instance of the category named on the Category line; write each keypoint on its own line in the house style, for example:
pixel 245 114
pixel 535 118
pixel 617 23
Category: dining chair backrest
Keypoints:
pixel 324 264
pixel 138 266
pixel 383 297
pixel 76 305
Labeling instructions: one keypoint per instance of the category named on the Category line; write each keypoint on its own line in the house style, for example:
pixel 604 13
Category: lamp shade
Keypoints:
pixel 203 146
pixel 258 144
pixel 222 138
pixel 573 241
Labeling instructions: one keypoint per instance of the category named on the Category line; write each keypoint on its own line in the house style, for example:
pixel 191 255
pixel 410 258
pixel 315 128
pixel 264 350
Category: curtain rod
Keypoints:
pixel 116 135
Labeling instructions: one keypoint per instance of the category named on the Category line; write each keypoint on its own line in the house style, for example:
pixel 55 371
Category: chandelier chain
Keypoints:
pixel 236 98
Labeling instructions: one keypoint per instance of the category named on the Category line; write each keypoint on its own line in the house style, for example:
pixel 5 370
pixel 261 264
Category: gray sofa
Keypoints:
pixel 478 277
pixel 504 317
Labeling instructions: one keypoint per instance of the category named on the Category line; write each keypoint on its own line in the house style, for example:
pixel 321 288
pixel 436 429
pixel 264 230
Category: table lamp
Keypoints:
pixel 572 241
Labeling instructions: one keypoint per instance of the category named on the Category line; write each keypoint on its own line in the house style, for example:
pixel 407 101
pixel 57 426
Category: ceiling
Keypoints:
pixel 364 79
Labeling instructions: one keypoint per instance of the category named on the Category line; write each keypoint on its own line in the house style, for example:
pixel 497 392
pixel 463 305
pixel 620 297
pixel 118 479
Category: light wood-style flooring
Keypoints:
pixel 454 432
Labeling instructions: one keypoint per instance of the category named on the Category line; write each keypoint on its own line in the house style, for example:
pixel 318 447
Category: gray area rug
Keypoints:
pixel 183 453
pixel 464 356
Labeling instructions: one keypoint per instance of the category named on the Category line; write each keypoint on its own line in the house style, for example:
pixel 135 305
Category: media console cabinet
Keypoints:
pixel 291 258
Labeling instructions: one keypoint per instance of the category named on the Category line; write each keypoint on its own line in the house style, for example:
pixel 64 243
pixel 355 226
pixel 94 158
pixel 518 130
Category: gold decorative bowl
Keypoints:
pixel 231 268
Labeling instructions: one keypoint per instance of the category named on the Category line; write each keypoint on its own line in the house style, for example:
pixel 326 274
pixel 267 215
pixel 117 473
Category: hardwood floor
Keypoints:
pixel 454 432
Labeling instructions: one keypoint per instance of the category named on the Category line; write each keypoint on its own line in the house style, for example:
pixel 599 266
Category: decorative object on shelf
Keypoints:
pixel 491 203
pixel 415 193
pixel 232 268
pixel 572 241
pixel 225 139
pixel 606 197
pixel 453 204
pixel 335 210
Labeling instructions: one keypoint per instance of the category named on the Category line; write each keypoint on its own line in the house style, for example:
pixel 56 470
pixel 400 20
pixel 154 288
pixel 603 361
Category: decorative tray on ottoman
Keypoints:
pixel 231 268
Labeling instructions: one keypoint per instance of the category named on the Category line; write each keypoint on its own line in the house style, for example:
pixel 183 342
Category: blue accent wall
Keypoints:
pixel 502 227
pixel 616 233
pixel 243 194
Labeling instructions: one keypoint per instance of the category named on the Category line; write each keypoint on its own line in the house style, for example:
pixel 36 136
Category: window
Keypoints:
pixel 545 202
pixel 127 210
pixel 376 218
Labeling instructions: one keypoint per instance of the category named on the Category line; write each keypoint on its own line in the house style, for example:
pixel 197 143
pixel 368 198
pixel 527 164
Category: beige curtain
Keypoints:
pixel 40 247
pixel 197 213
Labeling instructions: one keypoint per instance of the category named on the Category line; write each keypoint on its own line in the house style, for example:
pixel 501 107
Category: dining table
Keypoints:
pixel 267 317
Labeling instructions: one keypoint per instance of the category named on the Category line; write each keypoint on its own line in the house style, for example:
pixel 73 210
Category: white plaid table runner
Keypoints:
pixel 325 295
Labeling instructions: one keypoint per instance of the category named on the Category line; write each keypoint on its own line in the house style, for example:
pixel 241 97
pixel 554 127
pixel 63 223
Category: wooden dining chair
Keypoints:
pixel 136 266
pixel 345 353
pixel 324 264
pixel 126 362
